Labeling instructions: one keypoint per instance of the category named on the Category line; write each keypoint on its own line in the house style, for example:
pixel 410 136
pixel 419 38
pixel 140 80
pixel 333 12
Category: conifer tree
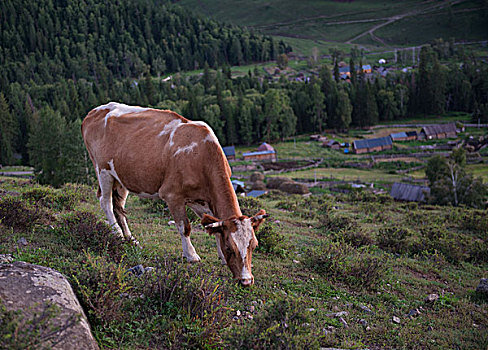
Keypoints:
pixel 8 132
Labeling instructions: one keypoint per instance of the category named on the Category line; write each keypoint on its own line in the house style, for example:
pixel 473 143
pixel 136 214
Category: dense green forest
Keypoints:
pixel 59 59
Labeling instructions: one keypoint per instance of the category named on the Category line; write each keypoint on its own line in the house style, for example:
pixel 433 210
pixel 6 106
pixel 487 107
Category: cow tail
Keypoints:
pixel 119 210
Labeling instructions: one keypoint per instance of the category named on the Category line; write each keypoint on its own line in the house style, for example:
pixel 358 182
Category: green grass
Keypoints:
pixel 316 23
pixel 346 174
pixel 333 256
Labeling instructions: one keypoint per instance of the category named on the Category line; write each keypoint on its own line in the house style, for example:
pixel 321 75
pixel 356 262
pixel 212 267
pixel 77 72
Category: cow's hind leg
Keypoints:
pixel 106 182
pixel 119 198
pixel 184 229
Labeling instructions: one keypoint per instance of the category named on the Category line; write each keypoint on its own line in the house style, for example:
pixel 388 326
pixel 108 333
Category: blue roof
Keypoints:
pixel 371 143
pixel 398 135
pixel 257 153
pixel 229 150
pixel 255 193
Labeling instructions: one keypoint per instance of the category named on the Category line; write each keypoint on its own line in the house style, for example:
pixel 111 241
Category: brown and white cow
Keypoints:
pixel 159 154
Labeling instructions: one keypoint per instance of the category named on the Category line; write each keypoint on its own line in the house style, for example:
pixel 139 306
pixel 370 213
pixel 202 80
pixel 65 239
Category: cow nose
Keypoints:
pixel 246 282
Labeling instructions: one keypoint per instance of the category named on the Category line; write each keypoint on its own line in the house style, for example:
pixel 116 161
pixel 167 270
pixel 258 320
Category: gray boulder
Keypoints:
pixel 44 297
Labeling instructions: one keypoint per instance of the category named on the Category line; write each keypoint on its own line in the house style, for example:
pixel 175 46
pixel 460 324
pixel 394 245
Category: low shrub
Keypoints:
pixel 305 208
pixel 394 239
pixel 362 195
pixel 341 262
pixel 271 241
pixel 192 301
pixel 355 237
pixel 101 286
pixel 87 231
pixel 250 205
pixel 63 199
pixel 332 220
pixel 282 324
pixel 21 214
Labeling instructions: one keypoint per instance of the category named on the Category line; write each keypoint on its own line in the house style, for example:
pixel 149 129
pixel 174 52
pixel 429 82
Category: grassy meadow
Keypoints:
pixel 327 24
pixel 331 270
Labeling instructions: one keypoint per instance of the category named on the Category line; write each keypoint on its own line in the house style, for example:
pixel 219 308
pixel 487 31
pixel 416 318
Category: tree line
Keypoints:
pixel 43 97
pixel 48 40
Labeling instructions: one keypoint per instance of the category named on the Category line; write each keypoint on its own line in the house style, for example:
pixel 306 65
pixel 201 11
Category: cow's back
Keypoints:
pixel 147 148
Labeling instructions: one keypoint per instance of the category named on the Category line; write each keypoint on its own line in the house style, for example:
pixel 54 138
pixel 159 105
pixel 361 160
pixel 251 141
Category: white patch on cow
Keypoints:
pixel 117 109
pixel 242 237
pixel 188 250
pixel 113 172
pixel 170 129
pixel 186 149
pixel 245 274
pixel 106 181
pixel 211 136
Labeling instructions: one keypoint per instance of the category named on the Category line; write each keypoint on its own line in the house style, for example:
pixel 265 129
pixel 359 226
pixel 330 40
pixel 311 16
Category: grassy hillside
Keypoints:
pixel 330 271
pixel 323 23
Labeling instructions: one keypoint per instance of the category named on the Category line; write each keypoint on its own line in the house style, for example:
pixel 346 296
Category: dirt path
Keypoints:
pixel 401 16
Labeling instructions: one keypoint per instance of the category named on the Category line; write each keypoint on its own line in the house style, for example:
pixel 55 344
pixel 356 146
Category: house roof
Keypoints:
pixel 229 150
pixel 257 153
pixel 371 143
pixel 255 193
pixel 411 133
pixel 265 147
pixel 407 192
pixel 398 135
pixel 439 129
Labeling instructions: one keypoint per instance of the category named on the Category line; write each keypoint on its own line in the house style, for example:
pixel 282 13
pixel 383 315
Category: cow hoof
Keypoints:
pixel 193 259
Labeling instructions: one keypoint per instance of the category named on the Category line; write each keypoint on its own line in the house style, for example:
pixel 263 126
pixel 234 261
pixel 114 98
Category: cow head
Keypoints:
pixel 237 241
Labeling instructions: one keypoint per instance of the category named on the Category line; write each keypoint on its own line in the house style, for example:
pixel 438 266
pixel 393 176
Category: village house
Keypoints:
pixel 409 193
pixel 345 73
pixel 404 136
pixel 230 153
pixel 265 152
pixel 438 131
pixel 333 144
pixel 372 145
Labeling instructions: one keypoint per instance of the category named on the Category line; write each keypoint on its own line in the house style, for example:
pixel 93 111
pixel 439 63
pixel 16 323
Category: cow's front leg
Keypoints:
pixel 184 229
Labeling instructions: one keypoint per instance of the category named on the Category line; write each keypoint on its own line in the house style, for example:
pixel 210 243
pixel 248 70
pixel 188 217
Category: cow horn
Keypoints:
pixel 259 217
pixel 215 224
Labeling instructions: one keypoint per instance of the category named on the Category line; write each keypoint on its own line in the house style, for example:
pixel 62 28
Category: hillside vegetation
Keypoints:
pixel 330 271
pixel 45 41
pixel 371 23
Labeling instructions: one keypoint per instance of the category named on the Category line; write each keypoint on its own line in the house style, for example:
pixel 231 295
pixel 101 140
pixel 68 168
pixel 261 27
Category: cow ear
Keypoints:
pixel 211 224
pixel 258 219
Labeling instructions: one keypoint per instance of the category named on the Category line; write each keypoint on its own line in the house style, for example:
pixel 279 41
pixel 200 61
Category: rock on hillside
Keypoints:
pixel 34 289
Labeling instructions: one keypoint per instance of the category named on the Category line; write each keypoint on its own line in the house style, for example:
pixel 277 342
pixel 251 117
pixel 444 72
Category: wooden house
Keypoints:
pixel 265 152
pixel 333 144
pixel 372 145
pixel 404 136
pixel 409 193
pixel 438 131
pixel 230 153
